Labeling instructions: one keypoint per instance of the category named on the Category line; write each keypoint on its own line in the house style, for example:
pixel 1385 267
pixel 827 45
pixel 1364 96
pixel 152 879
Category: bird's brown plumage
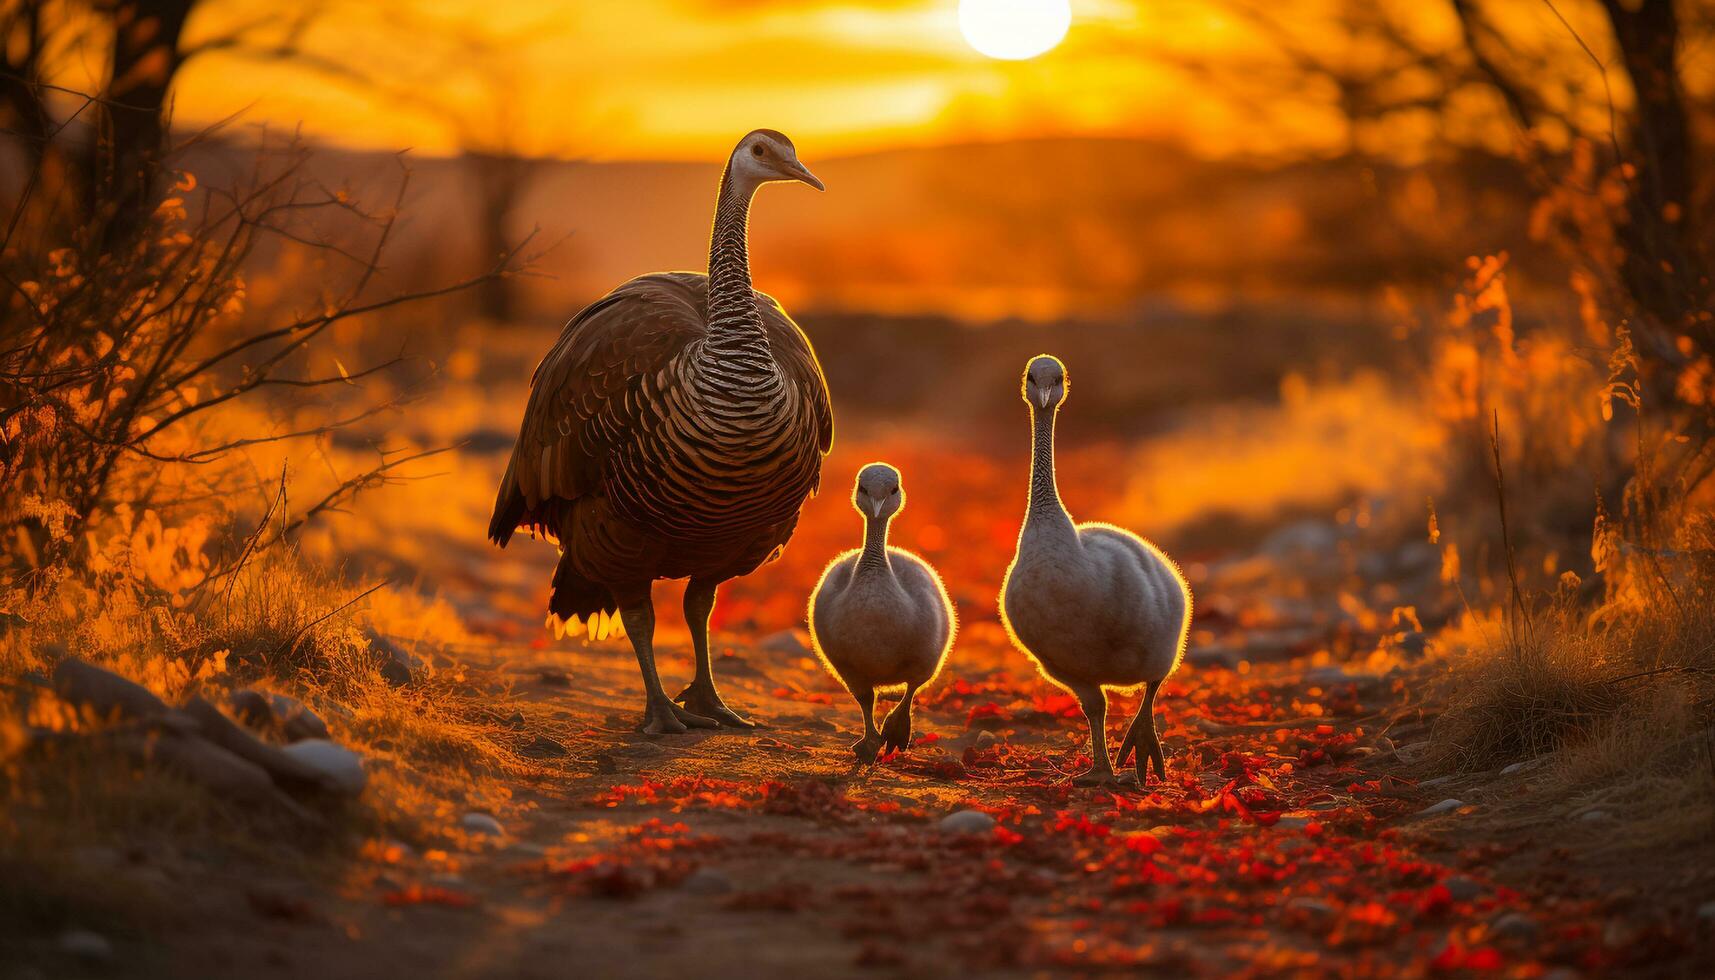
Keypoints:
pixel 648 459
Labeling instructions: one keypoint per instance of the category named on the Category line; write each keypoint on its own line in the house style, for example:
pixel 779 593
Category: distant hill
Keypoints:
pixel 1035 229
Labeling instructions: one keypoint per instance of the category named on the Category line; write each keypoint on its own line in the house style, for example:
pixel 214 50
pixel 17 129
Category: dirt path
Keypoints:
pixel 1271 848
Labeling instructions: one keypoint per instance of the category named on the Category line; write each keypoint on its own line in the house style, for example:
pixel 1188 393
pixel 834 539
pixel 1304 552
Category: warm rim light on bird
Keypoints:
pixel 1014 30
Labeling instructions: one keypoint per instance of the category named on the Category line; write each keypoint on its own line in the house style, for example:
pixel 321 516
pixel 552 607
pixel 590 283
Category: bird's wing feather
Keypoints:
pixel 797 359
pixel 582 394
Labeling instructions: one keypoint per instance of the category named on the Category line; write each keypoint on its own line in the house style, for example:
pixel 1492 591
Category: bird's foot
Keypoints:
pixel 701 698
pixel 663 717
pixel 1096 776
pixel 896 731
pixel 868 748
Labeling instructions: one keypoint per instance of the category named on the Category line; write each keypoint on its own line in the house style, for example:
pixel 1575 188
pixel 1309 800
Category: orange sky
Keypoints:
pixel 630 79
pixel 610 79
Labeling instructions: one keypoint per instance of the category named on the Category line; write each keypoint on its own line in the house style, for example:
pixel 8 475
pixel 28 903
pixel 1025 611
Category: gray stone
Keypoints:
pixel 967 822
pixel 1515 925
pixel 1437 781
pixel 397 665
pixel 1310 906
pixel 285 770
pixel 267 710
pixel 482 824
pixel 1592 816
pixel 104 691
pixel 339 768
pixel 1445 806
pixel 85 945
pixel 986 738
pixel 544 747
pixel 789 641
pixel 1462 888
pixel 707 881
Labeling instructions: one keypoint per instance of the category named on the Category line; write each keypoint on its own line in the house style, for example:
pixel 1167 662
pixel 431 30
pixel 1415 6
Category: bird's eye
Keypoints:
pixel 893 491
pixel 756 150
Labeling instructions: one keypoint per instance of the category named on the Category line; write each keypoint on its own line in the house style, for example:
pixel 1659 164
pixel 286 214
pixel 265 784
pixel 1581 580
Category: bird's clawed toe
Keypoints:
pixel 704 701
pixel 867 748
pixel 1096 776
pixel 666 718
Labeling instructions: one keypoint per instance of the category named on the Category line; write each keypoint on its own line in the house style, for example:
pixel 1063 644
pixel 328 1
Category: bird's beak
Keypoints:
pixel 875 508
pixel 1042 397
pixel 799 172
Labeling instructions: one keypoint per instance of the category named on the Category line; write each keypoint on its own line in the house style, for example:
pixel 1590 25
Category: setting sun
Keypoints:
pixel 1014 30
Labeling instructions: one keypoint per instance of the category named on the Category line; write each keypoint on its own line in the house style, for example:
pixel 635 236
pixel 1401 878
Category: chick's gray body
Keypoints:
pixel 880 617
pixel 1094 605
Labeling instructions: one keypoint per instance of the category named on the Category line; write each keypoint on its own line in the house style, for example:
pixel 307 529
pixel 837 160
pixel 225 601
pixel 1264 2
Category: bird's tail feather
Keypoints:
pixel 509 507
pixel 579 605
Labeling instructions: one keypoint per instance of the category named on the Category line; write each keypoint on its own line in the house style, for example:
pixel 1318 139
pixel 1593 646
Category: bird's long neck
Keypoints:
pixel 1046 513
pixel 736 339
pixel 874 557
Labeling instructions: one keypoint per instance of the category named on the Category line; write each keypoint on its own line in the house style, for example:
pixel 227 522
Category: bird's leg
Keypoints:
pixel 1095 702
pixel 868 747
pixel 700 696
pixel 896 730
pixel 1141 736
pixel 660 716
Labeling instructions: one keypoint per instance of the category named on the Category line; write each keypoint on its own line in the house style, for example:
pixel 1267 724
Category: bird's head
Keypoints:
pixel 878 494
pixel 764 156
pixel 1045 382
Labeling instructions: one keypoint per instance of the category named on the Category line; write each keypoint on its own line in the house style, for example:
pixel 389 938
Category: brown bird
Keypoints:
pixel 673 431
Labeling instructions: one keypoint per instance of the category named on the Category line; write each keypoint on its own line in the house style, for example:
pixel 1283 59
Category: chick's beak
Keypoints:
pixel 799 172
pixel 875 508
pixel 1042 397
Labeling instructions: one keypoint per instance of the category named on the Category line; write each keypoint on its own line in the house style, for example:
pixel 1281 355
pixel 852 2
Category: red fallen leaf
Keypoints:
pixel 1143 843
pixel 428 895
pixel 985 712
pixel 1007 838
pixel 1324 730
pixel 1058 705
pixel 1436 901
pixel 1453 957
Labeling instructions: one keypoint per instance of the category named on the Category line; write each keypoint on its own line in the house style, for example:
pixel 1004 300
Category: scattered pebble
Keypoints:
pixel 1463 888
pixel 1445 806
pixel 967 822
pixel 553 677
pixel 1591 816
pixel 85 945
pixel 1437 781
pixel 1310 906
pixel 1515 925
pixel 544 747
pixel 986 738
pixel 707 881
pixel 340 768
pixel 483 824
pixel 790 641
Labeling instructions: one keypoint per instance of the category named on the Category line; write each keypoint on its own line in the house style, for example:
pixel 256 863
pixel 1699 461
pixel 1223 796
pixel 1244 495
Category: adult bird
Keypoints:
pixel 673 431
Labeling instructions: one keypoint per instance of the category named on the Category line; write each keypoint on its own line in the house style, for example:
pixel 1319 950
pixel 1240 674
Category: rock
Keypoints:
pixel 986 739
pixel 106 692
pixel 1445 806
pixel 1592 816
pixel 482 824
pixel 397 666
pixel 1514 925
pixel 707 881
pixel 288 772
pixel 544 747
pixel 222 772
pixel 791 641
pixel 1462 888
pixel 86 945
pixel 1437 781
pixel 1523 766
pixel 267 710
pixel 967 822
pixel 553 677
pixel 1307 537
pixel 1310 906
pixel 339 769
